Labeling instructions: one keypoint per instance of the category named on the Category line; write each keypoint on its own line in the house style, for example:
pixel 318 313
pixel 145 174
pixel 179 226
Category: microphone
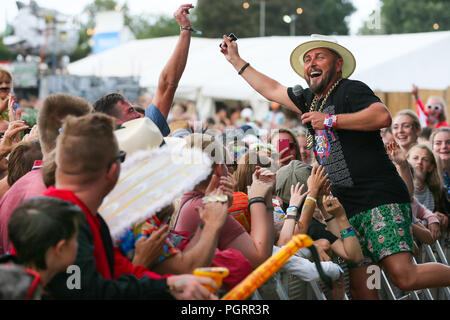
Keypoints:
pixel 300 93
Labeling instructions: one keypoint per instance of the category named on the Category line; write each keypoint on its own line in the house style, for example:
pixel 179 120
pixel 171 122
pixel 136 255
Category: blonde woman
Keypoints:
pixel 428 187
pixel 406 129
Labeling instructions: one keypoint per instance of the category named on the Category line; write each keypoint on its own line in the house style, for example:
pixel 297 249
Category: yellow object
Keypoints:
pixel 215 273
pixel 266 270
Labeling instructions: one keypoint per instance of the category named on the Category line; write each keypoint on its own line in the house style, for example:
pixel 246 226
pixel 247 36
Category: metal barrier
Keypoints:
pixel 315 292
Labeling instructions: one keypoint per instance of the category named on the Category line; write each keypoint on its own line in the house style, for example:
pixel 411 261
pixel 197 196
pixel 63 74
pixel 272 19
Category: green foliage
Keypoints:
pixel 411 16
pixel 5 55
pixel 216 18
pixel 29 115
pixel 408 16
pixel 143 27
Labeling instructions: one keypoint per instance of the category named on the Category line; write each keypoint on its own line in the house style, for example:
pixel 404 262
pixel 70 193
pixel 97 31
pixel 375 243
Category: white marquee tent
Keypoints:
pixel 386 63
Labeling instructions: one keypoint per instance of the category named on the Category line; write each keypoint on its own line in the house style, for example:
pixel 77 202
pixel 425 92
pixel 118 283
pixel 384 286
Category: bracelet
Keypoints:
pixel 291 209
pixel 254 200
pixel 189 28
pixel 290 216
pixel 243 68
pixel 329 219
pixel 349 232
pixel 311 198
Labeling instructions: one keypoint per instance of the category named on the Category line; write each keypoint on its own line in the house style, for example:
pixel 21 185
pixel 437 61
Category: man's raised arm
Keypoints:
pixel 171 74
pixel 267 87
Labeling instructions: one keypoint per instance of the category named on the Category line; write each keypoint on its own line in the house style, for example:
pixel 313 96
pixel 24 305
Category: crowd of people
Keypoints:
pixel 328 161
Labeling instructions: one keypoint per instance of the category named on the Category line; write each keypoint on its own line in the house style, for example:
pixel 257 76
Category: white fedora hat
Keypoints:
pixel 138 134
pixel 321 41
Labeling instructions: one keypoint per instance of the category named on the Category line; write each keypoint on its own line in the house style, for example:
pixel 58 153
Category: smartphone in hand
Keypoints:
pixel 233 38
pixel 283 144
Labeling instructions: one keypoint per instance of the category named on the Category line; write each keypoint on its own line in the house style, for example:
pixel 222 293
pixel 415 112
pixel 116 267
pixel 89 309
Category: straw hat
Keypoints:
pixel 138 134
pixel 320 41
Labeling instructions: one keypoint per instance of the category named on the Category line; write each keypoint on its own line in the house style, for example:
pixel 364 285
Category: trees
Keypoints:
pixel 216 18
pixel 410 16
pixel 143 27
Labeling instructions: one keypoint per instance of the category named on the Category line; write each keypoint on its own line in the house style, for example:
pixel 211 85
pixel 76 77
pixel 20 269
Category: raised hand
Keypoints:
pixel 263 182
pixel 34 134
pixel 297 196
pixel 284 160
pixel 11 136
pixel 396 154
pixel 316 180
pixel 333 206
pixel 214 213
pixel 149 249
pixel 182 15
pixel 229 49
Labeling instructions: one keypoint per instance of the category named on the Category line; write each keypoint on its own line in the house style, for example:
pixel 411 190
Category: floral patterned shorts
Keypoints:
pixel 383 231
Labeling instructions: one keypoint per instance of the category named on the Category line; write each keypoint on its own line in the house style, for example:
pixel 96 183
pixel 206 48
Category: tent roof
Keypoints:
pixel 384 62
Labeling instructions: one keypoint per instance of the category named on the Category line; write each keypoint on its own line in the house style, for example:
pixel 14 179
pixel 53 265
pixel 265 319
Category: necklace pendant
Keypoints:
pixel 309 140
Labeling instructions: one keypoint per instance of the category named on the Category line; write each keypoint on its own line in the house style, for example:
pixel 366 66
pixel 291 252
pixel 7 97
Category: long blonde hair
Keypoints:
pixel 433 179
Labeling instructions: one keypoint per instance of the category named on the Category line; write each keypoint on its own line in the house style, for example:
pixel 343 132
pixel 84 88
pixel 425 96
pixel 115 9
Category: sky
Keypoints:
pixel 8 8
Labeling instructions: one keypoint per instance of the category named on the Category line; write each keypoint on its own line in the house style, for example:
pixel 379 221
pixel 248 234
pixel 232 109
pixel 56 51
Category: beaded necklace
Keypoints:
pixel 309 137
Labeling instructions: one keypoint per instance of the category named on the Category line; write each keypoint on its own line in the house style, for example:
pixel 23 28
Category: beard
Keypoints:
pixel 320 86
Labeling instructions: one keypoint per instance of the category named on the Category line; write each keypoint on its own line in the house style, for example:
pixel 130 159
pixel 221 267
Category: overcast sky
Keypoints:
pixel 8 8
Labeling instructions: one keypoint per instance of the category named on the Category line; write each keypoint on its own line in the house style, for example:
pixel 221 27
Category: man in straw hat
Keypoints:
pixel 344 117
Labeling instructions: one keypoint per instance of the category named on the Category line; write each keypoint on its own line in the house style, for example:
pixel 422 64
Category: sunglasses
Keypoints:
pixel 435 107
pixel 121 156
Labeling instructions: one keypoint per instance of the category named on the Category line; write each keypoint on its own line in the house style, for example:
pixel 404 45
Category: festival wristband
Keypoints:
pixel 292 209
pixel 349 232
pixel 290 216
pixel 311 198
pixel 330 121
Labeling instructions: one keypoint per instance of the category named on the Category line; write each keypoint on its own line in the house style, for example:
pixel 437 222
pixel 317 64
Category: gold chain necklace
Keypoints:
pixel 309 137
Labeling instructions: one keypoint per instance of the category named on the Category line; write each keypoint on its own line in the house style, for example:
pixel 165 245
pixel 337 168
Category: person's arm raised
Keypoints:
pixel 172 72
pixel 267 87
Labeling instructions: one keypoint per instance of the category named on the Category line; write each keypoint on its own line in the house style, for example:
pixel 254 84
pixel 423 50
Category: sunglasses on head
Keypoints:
pixel 121 156
pixel 435 107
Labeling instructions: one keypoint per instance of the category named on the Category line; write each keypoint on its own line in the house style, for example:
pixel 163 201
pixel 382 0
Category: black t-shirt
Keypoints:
pixel 357 164
pixel 317 230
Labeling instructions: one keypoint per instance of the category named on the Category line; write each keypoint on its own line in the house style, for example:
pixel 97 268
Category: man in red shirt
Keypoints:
pixel 88 167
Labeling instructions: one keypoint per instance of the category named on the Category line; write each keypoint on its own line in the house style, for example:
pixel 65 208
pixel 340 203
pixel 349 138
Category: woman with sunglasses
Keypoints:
pixel 434 109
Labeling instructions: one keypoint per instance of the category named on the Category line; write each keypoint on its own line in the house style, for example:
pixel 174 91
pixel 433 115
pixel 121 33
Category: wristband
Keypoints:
pixel 254 200
pixel 290 216
pixel 243 68
pixel 349 232
pixel 330 121
pixel 292 209
pixel 311 198
pixel 329 219
pixel 189 28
